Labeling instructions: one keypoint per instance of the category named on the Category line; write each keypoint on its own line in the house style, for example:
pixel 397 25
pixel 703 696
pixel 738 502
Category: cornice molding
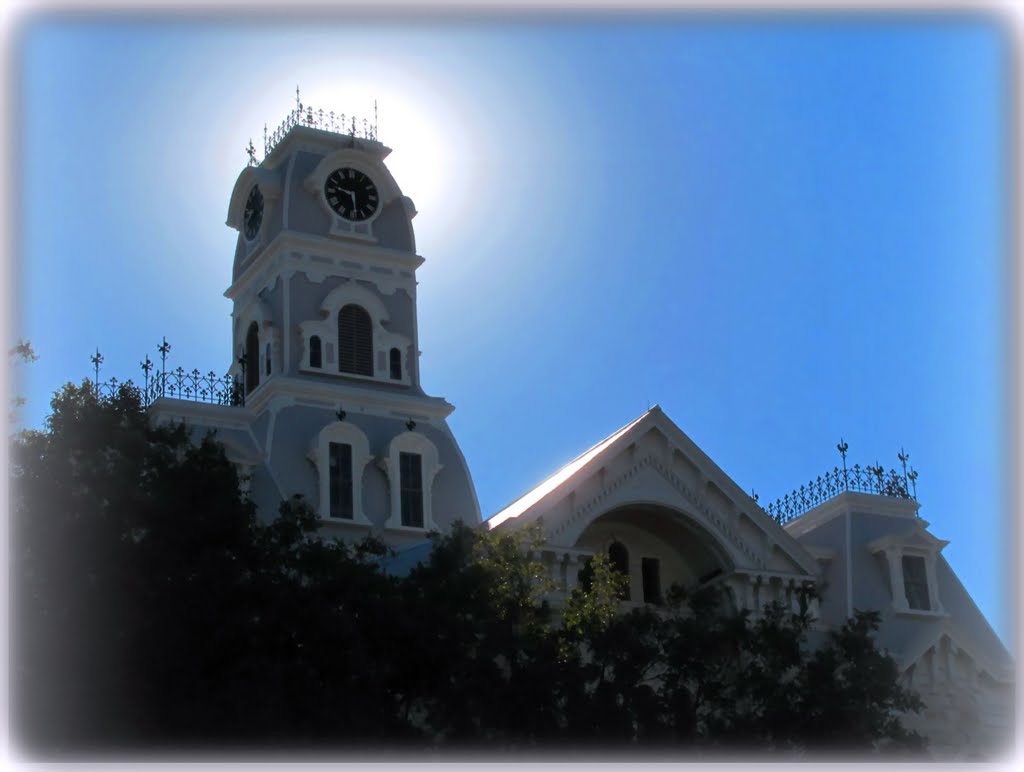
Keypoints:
pixel 316 254
pixel 853 502
pixel 380 402
pixel 203 413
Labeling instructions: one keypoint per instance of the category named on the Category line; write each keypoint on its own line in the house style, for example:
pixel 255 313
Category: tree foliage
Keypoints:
pixel 153 610
pixel 19 354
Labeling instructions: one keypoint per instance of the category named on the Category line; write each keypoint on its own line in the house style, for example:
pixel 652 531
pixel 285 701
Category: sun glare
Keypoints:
pixel 414 120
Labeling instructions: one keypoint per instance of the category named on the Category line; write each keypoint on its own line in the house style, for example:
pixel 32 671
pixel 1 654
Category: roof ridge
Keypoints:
pixel 500 516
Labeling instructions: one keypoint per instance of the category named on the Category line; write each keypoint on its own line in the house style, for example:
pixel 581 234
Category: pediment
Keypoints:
pixel 652 463
pixel 945 639
pixel 916 539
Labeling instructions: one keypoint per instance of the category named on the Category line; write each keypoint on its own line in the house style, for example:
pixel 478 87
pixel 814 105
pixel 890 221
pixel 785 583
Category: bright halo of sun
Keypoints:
pixel 414 121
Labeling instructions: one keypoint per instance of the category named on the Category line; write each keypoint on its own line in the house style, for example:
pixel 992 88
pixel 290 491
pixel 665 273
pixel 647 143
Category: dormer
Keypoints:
pixel 910 559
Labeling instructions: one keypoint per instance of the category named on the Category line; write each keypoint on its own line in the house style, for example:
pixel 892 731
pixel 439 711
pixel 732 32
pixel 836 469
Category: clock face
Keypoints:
pixel 253 215
pixel 351 194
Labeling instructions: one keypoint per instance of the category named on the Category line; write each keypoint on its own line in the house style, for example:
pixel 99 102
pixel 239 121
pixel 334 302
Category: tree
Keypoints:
pixel 696 674
pixel 128 542
pixel 152 609
pixel 21 353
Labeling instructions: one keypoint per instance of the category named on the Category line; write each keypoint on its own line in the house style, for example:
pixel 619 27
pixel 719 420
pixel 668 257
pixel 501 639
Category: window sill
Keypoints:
pixel 408 528
pixel 346 522
pixel 305 368
pixel 916 612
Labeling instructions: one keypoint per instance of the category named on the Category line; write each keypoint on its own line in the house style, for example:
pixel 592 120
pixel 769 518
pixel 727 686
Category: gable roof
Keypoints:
pixel 655 419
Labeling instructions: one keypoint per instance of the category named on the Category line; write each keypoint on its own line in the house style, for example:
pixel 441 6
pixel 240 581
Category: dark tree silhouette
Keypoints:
pixel 153 612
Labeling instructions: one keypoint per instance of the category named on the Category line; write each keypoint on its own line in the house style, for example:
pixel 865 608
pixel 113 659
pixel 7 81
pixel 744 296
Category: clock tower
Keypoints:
pixel 325 344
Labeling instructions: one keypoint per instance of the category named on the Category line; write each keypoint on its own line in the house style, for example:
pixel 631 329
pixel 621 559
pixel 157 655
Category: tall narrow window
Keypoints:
pixel 411 487
pixel 396 364
pixel 252 358
pixel 266 358
pixel 618 556
pixel 355 340
pixel 340 471
pixel 915 582
pixel 315 357
pixel 651 570
pixel 585 576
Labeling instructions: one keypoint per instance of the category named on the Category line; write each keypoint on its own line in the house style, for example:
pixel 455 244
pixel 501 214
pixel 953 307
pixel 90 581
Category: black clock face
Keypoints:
pixel 351 194
pixel 253 215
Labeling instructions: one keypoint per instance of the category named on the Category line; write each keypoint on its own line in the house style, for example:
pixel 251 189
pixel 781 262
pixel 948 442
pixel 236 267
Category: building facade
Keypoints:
pixel 665 513
pixel 326 403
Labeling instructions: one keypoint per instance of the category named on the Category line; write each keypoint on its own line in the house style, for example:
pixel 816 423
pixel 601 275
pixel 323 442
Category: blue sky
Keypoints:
pixel 782 229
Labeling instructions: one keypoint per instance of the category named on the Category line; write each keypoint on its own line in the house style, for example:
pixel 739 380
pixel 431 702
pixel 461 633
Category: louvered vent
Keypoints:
pixel 355 341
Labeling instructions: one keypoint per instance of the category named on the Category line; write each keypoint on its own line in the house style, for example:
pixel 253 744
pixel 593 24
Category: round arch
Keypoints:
pixel 665 546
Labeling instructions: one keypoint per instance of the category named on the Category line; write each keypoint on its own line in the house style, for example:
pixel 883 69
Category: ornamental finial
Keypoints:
pixel 97 360
pixel 250 151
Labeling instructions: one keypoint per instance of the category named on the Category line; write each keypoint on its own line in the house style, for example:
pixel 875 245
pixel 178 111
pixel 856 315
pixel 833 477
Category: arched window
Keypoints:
pixel 252 358
pixel 618 556
pixel 315 357
pixel 355 341
pixel 411 466
pixel 396 364
pixel 266 358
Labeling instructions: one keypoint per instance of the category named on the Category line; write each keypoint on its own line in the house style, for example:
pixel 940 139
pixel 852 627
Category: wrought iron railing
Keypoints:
pixel 306 115
pixel 868 479
pixel 177 383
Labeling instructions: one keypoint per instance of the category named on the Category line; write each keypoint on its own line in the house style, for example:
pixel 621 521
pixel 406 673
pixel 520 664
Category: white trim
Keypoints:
pixel 270 188
pixel 850 501
pixel 410 442
pixel 287 190
pixel 895 548
pixel 257 310
pixel 201 413
pixel 917 648
pixel 849 569
pixel 292 249
pixel 352 158
pixel 342 433
pixel 326 328
pixel 700 506
pixel 268 442
pixel 352 396
pixel 286 288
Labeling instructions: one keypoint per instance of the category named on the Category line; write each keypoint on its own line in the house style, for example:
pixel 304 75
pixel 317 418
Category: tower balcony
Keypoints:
pixel 315 118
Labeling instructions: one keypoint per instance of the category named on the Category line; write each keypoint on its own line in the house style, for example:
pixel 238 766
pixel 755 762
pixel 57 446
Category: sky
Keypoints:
pixel 784 229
